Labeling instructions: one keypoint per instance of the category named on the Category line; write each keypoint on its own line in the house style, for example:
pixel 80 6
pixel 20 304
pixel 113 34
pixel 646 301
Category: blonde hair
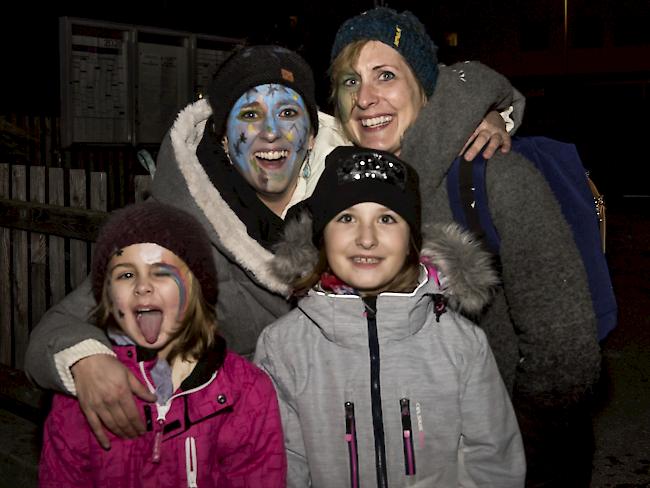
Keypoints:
pixel 195 334
pixel 344 63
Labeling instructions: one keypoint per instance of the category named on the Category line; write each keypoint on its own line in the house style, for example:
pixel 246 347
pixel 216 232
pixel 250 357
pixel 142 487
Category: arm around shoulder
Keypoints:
pixel 65 325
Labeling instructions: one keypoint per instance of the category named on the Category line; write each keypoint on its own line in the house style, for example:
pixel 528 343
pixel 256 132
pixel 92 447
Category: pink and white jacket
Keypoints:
pixel 221 428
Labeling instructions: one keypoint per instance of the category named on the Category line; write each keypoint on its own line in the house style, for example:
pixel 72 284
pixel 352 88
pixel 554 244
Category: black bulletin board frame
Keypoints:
pixel 124 84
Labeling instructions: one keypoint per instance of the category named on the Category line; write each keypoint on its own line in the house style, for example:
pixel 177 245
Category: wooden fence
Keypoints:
pixel 35 140
pixel 49 217
pixel 52 201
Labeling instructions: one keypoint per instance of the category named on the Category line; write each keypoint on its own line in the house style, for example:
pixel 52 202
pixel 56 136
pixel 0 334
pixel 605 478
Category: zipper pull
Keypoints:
pixel 157 443
pixel 407 434
pixel 351 439
pixel 439 305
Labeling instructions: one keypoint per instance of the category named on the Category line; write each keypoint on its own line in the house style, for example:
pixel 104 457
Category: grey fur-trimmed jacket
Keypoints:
pixel 410 378
pixel 541 324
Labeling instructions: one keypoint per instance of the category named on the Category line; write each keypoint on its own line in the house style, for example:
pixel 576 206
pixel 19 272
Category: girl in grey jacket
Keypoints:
pixel 381 381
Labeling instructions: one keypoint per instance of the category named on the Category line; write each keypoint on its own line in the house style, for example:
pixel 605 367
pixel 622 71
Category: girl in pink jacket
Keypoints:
pixel 216 420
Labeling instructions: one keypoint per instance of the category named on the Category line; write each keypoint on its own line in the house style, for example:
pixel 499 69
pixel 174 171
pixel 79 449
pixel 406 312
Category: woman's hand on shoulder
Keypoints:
pixel 105 389
pixel 489 136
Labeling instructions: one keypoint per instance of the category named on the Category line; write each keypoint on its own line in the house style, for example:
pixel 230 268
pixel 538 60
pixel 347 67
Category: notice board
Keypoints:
pixel 124 84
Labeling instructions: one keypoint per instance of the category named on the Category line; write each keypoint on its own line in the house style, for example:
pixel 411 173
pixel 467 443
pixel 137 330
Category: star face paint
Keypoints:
pixel 269 133
pixel 148 287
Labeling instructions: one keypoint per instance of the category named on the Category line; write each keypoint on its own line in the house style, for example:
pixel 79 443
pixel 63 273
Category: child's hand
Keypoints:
pixel 104 390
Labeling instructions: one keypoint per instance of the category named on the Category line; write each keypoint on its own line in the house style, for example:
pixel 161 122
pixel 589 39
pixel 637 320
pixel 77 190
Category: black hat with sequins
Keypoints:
pixel 401 31
pixel 252 66
pixel 354 175
pixel 157 223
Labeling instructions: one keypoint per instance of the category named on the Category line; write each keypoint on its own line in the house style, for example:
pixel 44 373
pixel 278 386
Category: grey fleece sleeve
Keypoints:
pixel 545 285
pixel 492 449
pixel 464 94
pixel 63 326
pixel 472 89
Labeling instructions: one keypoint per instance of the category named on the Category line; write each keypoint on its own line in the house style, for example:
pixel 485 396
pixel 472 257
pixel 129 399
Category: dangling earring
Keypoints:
pixel 224 144
pixel 306 167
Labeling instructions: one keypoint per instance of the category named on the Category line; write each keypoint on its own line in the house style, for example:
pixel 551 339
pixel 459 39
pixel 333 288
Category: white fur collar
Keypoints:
pixel 186 133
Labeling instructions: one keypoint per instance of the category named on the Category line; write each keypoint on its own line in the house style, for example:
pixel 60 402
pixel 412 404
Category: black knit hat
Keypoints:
pixel 354 175
pixel 401 31
pixel 260 65
pixel 167 226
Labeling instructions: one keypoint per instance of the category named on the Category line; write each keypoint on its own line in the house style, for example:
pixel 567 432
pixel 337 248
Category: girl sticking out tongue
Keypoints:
pixel 215 421
pixel 147 286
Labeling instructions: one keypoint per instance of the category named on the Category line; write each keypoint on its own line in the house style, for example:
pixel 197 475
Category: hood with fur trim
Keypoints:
pixel 182 181
pixel 467 270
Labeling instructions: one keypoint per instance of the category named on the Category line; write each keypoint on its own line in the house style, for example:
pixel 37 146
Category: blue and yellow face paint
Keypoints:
pixel 268 132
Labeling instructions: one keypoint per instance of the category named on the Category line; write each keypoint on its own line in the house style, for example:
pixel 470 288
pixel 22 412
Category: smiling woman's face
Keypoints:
pixel 378 98
pixel 269 133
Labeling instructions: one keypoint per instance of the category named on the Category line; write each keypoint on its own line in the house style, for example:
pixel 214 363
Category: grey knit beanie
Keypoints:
pixel 401 31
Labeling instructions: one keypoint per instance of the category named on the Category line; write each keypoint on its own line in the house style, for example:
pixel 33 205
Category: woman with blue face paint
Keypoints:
pixel 236 161
pixel 268 137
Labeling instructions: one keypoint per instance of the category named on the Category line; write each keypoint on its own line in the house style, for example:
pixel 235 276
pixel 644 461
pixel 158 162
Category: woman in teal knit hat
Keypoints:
pixel 391 94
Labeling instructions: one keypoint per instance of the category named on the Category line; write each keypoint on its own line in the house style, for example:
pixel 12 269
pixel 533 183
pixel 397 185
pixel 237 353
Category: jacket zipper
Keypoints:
pixel 375 394
pixel 351 439
pixel 162 412
pixel 160 422
pixel 407 437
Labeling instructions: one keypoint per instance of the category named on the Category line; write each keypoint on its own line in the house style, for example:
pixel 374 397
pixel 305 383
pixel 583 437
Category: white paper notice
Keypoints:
pixel 99 89
pixel 162 89
pixel 207 62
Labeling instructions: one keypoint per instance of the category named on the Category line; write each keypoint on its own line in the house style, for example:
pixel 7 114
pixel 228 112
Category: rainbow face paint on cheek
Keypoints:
pixel 181 282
